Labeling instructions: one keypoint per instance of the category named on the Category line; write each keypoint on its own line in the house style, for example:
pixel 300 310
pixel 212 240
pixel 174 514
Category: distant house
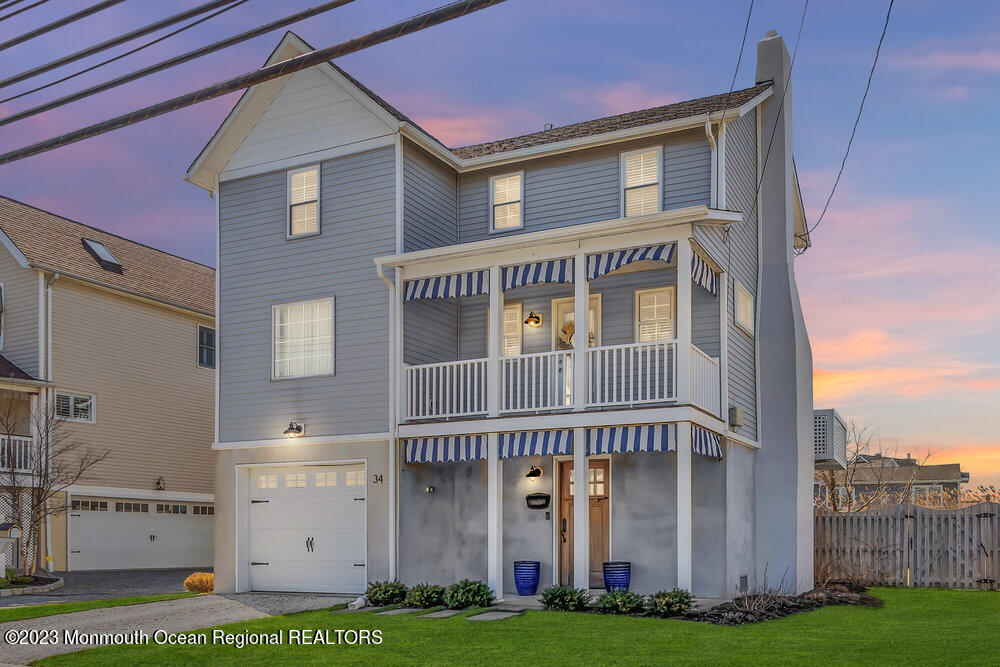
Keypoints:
pixel 876 479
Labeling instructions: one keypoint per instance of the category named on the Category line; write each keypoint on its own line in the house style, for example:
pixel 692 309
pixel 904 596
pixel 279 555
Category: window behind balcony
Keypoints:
pixel 512 329
pixel 654 314
pixel 641 181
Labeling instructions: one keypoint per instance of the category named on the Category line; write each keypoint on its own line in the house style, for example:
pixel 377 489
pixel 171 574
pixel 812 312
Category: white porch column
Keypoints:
pixel 724 346
pixel 581 318
pixel 494 515
pixel 684 545
pixel 493 348
pixel 398 332
pixel 683 378
pixel 581 511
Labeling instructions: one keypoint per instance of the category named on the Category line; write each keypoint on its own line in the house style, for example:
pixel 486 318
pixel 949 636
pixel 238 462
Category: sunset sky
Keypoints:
pixel 901 289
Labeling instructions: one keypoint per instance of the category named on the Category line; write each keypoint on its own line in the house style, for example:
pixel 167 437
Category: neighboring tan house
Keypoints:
pixel 874 479
pixel 402 393
pixel 119 338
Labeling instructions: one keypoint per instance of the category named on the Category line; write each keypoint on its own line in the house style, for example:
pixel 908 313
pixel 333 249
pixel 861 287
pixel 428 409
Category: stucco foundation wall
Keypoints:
pixel 708 527
pixel 229 513
pixel 442 535
pixel 527 534
pixel 740 462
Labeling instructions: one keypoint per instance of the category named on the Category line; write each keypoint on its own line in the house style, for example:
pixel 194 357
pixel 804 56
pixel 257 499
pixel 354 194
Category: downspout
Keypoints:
pixel 715 161
pixel 48 376
pixel 393 418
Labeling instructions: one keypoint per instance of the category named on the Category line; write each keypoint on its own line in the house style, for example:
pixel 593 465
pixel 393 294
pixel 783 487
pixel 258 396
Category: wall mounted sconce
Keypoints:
pixel 533 320
pixel 534 472
pixel 160 484
pixel 294 430
pixel 429 489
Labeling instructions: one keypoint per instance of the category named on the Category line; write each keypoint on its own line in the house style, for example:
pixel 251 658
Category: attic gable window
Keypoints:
pixel 640 174
pixel 103 256
pixel 303 202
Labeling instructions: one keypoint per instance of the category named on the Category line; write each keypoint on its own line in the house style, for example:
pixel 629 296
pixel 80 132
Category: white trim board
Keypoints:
pixel 142 494
pixel 308 440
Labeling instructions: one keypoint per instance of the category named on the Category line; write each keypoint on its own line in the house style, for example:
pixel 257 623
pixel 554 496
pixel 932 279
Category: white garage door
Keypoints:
pixel 307 529
pixel 120 534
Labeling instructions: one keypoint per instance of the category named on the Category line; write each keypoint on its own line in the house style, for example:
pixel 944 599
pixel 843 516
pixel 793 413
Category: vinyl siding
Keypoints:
pixel 259 268
pixel 741 254
pixel 430 201
pixel 154 404
pixel 584 186
pixel 20 316
pixel 310 113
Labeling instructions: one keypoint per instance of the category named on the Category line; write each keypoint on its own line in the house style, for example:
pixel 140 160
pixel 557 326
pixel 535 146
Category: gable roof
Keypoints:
pixel 44 240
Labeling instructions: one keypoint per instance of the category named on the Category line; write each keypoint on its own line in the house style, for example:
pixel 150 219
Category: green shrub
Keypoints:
pixel 382 593
pixel 425 596
pixel 620 602
pixel 565 598
pixel 669 603
pixel 467 593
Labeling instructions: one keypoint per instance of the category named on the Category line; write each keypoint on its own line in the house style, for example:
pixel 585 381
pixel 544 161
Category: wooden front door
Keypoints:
pixel 598 487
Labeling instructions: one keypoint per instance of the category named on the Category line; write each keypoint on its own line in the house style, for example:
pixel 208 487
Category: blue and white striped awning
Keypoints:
pixel 552 271
pixel 536 443
pixel 443 287
pixel 702 274
pixel 706 443
pixel 606 262
pixel 445 448
pixel 625 439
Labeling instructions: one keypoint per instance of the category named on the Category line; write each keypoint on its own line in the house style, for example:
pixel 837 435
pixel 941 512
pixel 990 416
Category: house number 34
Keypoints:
pixel 377 479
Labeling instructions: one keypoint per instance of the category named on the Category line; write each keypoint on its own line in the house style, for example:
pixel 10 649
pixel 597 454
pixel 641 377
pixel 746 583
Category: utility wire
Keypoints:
pixel 166 64
pixel 278 70
pixel 114 41
pixel 857 120
pixel 19 11
pixel 10 4
pixel 69 98
pixel 732 85
pixel 66 20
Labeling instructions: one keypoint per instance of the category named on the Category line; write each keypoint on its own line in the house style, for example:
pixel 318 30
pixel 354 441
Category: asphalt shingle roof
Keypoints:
pixel 12 371
pixel 52 242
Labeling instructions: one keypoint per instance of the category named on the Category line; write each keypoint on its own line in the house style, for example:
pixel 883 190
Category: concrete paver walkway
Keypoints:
pixel 494 615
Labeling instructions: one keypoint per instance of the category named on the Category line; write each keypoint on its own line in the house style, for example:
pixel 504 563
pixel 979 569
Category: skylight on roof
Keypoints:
pixel 102 254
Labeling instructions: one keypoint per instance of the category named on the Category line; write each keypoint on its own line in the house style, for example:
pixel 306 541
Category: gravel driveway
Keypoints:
pixel 98 585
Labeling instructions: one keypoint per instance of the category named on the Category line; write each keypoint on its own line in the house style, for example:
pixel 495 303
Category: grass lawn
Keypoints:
pixel 39 610
pixel 914 626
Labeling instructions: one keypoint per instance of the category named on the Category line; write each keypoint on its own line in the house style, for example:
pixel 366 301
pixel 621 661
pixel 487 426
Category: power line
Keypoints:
pixel 21 10
pixel 10 4
pixel 857 120
pixel 114 41
pixel 166 64
pixel 278 70
pixel 66 20
pixel 732 84
pixel 70 98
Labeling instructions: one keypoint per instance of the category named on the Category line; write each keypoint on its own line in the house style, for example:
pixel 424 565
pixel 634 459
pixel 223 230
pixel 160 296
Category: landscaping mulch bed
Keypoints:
pixel 753 609
pixel 35 580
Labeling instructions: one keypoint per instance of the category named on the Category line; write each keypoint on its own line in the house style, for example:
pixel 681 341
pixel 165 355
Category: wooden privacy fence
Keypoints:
pixel 908 545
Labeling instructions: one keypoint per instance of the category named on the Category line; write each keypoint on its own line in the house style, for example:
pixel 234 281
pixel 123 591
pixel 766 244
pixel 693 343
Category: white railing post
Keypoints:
pixel 493 336
pixel 682 381
pixel 581 320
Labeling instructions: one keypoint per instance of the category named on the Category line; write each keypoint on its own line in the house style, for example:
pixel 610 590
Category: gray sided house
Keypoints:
pixel 402 392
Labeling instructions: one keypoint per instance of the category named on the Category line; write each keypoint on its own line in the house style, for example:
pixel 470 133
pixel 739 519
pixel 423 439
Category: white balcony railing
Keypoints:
pixel 542 381
pixel 632 374
pixel 705 381
pixel 450 389
pixel 15 453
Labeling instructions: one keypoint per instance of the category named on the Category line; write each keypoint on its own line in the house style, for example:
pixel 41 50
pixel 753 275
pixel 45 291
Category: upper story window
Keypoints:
pixel 640 176
pixel 206 346
pixel 505 201
pixel 75 407
pixel 303 201
pixel 512 316
pixel 744 309
pixel 654 314
pixel 302 339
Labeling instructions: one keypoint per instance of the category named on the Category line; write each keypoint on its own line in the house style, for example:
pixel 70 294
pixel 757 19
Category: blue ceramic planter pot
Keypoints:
pixel 526 574
pixel 617 575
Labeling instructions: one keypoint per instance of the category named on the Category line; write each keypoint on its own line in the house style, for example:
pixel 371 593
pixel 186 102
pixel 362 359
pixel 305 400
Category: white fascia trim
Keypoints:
pixel 143 494
pixel 308 440
pixel 14 250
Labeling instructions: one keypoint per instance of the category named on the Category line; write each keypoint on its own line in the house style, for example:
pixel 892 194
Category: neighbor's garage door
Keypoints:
pixel 307 529
pixel 118 534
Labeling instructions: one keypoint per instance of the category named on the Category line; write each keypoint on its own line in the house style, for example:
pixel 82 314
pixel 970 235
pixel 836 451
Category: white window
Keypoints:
pixel 303 201
pixel 75 407
pixel 640 175
pixel 654 314
pixel 505 201
pixel 267 481
pixel 744 309
pixel 355 478
pixel 303 339
pixel 326 479
pixel 512 316
pixel 295 480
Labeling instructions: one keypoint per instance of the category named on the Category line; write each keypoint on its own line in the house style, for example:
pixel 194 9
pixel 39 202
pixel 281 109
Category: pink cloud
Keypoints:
pixel 980 60
pixel 626 96
pixel 835 385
